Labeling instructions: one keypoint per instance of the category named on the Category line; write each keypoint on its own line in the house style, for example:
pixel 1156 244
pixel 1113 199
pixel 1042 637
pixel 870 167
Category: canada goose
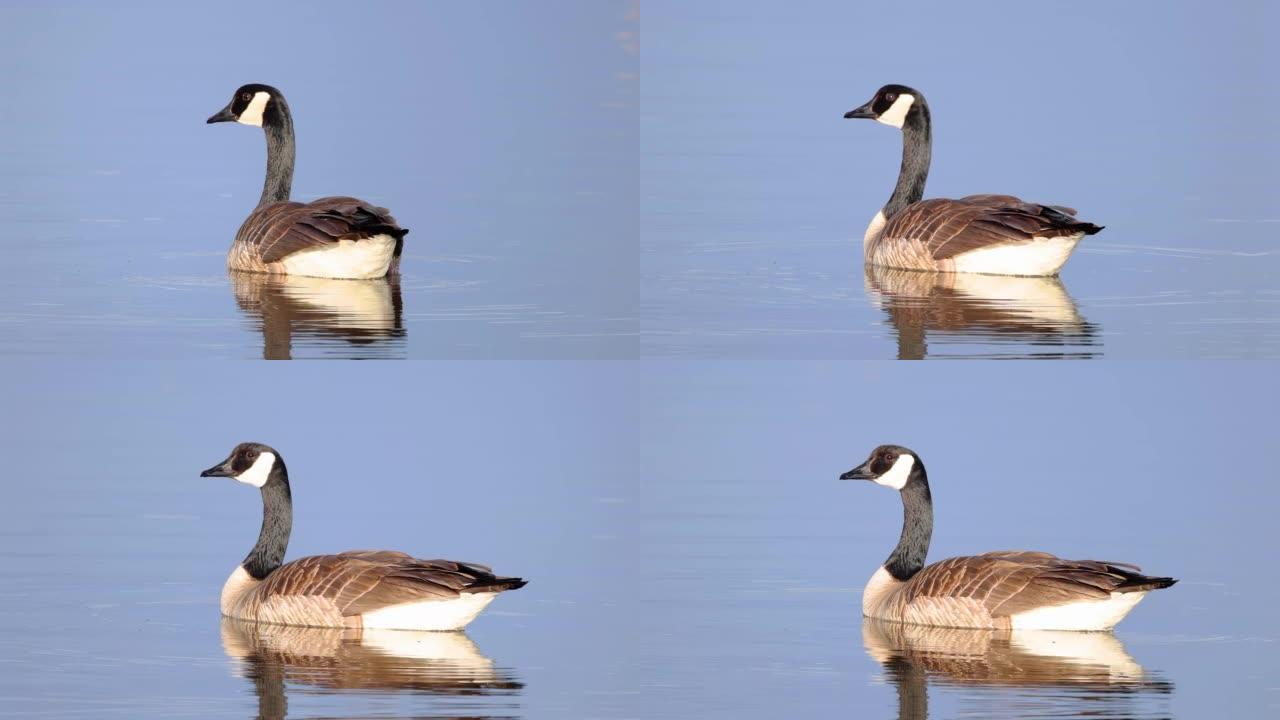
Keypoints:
pixel 1030 316
pixel 333 237
pixel 992 234
pixel 1007 589
pixel 359 588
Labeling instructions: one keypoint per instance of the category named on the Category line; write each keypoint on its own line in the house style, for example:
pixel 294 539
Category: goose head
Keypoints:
pixel 253 104
pixel 892 105
pixel 252 464
pixel 889 465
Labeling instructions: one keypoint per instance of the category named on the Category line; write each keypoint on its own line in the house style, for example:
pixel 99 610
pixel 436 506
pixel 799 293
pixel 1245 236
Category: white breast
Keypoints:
pixel 873 229
pixel 430 614
pixel 234 588
pixel 1084 615
pixel 1038 257
pixel 347 259
pixel 880 585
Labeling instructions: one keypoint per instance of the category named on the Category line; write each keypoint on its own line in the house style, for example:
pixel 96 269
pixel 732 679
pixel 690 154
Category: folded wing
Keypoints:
pixel 277 230
pixel 947 228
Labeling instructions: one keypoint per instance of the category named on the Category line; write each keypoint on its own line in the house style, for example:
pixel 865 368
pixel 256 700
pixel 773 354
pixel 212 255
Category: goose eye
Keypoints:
pixel 252 454
pixel 245 96
pixel 891 97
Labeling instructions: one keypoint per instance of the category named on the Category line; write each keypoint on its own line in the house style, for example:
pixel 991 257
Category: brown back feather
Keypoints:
pixel 362 581
pixel 281 229
pixel 1010 582
pixel 949 228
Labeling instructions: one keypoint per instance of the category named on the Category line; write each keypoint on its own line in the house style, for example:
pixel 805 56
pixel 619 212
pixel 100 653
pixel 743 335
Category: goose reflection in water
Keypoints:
pixel 363 317
pixel 1033 317
pixel 1015 673
pixel 334 660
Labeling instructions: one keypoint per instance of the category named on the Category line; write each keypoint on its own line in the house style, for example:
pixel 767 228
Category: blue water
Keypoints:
pixel 502 137
pixel 756 192
pixel 689 549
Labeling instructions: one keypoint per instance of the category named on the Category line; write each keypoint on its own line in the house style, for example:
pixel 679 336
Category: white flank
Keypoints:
pixel 1037 258
pixel 347 259
pixel 897 476
pixel 237 585
pixel 430 614
pixel 252 115
pixel 877 587
pixel 873 230
pixel 258 472
pixel 897 112
pixel 1083 615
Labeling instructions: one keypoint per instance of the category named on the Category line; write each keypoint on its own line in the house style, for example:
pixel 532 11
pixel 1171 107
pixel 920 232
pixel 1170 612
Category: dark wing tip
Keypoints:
pixel 1138 583
pixel 498 584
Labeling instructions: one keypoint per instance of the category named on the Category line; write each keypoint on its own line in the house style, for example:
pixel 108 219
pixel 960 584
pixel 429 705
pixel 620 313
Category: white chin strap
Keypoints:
pixel 257 473
pixel 897 476
pixel 897 112
pixel 252 115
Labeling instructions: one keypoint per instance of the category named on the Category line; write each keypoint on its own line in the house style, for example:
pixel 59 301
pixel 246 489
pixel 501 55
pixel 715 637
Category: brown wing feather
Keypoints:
pixel 948 228
pixel 281 229
pixel 1010 582
pixel 360 581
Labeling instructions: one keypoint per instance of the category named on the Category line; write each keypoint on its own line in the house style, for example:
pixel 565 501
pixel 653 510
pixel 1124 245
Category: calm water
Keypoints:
pixel 114 559
pixel 756 193
pixel 694 556
pixel 647 259
pixel 503 137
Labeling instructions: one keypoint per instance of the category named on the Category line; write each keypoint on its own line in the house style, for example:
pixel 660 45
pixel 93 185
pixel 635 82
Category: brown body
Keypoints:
pixel 999 590
pixel 340 590
pixel 275 231
pixel 935 234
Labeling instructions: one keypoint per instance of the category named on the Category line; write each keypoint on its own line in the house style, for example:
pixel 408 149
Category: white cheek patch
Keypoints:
pixel 897 112
pixel 252 115
pixel 897 476
pixel 257 473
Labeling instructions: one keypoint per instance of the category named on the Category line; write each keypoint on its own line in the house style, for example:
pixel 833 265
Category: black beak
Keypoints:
pixel 859 473
pixel 223 115
pixel 219 470
pixel 863 112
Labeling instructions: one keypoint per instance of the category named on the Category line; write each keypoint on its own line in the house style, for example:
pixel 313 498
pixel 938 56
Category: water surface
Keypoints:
pixel 756 192
pixel 689 549
pixel 502 137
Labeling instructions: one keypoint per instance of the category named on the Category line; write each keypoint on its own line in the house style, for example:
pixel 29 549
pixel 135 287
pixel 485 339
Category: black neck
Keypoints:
pixel 917 151
pixel 277 523
pixel 917 526
pixel 277 123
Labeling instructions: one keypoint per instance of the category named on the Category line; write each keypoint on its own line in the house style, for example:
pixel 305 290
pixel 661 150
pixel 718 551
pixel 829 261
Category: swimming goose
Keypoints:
pixel 1014 589
pixel 993 234
pixel 355 589
pixel 333 237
